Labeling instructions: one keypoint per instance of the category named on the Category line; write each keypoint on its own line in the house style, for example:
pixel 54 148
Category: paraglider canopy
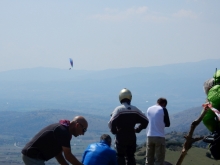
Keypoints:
pixel 71 63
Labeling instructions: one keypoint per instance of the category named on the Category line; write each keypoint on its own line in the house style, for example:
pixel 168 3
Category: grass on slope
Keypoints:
pixel 195 156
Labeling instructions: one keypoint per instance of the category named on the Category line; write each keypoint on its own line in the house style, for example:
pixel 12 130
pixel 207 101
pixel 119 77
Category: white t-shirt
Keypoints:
pixel 155 115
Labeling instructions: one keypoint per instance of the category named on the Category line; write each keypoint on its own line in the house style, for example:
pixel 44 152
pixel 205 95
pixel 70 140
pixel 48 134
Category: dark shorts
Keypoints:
pixel 31 161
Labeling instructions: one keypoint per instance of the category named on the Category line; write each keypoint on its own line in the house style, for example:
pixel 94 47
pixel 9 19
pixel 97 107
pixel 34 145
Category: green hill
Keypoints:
pixel 197 155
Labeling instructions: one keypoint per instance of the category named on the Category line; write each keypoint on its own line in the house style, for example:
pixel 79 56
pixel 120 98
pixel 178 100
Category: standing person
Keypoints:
pixel 100 153
pixel 54 141
pixel 158 119
pixel 122 125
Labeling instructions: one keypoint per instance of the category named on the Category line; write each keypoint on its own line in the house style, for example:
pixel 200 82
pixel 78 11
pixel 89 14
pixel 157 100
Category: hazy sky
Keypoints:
pixel 103 34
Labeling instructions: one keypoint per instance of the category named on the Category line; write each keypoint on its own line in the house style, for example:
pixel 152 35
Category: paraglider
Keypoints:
pixel 211 118
pixel 71 63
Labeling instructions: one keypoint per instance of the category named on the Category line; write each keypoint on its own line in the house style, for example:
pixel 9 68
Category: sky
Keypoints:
pixel 108 34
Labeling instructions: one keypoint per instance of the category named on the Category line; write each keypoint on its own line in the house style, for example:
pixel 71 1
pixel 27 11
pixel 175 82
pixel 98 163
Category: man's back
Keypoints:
pixel 125 117
pixel 155 115
pixel 99 154
pixel 48 142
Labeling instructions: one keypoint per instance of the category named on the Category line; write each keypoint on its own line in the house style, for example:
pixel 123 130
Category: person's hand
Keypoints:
pixel 206 106
pixel 136 130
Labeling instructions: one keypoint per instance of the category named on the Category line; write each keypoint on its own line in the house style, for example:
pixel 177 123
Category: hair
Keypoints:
pixel 208 84
pixel 106 138
pixel 162 101
pixel 126 101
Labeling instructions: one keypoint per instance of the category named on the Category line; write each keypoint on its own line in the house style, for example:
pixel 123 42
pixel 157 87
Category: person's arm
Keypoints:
pixel 61 159
pixel 113 121
pixel 142 119
pixel 70 157
pixel 166 118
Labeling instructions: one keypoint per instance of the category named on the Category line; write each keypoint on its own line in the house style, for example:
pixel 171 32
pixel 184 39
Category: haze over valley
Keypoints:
pixel 96 92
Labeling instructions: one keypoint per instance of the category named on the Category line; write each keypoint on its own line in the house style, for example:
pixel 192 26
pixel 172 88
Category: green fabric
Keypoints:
pixel 217 77
pixel 209 119
pixel 214 96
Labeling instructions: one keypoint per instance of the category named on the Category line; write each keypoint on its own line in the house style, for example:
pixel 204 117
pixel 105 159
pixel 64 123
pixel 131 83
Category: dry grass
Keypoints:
pixel 195 156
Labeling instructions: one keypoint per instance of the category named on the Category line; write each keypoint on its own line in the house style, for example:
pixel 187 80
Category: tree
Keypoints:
pixel 189 139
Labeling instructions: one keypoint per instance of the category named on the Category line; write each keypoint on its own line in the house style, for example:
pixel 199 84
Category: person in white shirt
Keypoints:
pixel 158 118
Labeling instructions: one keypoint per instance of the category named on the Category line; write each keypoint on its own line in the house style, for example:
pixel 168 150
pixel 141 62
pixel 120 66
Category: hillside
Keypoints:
pixel 181 121
pixel 197 155
pixel 26 124
pixel 18 127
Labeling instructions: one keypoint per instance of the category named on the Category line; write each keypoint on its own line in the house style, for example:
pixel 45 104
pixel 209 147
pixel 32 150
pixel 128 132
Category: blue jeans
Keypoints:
pixel 30 161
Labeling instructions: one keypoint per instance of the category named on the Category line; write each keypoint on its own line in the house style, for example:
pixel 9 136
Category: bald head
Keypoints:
pixel 78 126
pixel 81 120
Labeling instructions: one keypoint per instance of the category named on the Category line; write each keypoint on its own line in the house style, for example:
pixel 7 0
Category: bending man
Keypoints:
pixel 54 141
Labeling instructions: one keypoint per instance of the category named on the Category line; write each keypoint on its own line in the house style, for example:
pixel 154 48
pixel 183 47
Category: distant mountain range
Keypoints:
pixel 181 121
pixel 96 92
pixel 26 124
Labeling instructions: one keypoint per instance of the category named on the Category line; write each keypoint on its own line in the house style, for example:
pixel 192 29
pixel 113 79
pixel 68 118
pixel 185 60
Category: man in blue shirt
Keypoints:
pixel 100 153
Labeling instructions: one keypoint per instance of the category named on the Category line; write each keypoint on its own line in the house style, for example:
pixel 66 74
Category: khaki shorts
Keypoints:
pixel 155 150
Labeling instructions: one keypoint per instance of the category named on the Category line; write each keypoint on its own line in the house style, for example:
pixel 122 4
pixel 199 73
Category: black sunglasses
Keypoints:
pixel 84 129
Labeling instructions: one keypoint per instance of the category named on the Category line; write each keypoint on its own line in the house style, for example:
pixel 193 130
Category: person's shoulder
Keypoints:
pixel 134 108
pixel 60 126
pixel 164 108
pixel 93 145
pixel 156 106
pixel 118 109
pixel 60 129
pixel 53 126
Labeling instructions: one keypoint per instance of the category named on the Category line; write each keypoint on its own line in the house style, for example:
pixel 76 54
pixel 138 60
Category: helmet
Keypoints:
pixel 125 94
